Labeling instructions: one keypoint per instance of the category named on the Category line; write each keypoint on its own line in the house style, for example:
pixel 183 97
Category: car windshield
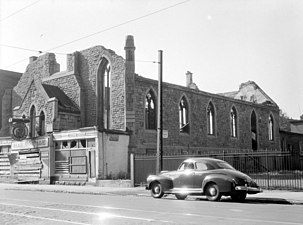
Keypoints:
pixel 225 165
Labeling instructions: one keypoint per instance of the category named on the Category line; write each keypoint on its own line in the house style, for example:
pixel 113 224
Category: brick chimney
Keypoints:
pixel 189 81
pixel 189 78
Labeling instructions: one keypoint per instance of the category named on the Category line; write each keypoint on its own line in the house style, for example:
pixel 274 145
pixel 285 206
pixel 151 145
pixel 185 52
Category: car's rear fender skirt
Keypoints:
pixel 224 183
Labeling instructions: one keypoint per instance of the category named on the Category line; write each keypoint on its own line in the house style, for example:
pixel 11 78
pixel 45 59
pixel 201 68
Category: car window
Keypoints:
pixel 225 165
pixel 201 166
pixel 186 166
pixel 190 166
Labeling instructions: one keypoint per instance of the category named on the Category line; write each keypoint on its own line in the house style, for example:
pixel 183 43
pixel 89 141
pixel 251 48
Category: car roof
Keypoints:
pixel 203 159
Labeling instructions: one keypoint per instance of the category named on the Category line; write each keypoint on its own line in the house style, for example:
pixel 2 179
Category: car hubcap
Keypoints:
pixel 212 191
pixel 157 189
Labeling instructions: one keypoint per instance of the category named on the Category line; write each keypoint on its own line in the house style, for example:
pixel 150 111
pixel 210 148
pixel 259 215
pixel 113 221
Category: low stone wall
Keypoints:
pixel 114 183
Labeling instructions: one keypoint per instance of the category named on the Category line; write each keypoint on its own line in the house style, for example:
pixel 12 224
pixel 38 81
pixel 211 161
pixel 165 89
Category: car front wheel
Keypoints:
pixel 156 190
pixel 212 192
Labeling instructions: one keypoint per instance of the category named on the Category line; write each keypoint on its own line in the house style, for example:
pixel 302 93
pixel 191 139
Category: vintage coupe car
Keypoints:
pixel 203 176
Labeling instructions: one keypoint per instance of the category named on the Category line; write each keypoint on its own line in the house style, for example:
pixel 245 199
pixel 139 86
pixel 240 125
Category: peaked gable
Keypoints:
pixel 251 92
pixel 38 86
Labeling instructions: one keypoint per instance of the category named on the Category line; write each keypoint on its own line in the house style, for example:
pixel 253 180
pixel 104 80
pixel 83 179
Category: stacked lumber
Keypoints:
pixel 29 166
pixel 5 167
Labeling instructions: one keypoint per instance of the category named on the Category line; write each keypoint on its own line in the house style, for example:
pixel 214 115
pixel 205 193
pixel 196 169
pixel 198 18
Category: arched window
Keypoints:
pixel 42 124
pixel 254 134
pixel 32 130
pixel 270 128
pixel 183 115
pixel 103 95
pixel 233 122
pixel 150 111
pixel 211 119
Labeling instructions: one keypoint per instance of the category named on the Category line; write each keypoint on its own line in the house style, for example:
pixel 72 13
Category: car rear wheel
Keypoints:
pixel 181 196
pixel 156 190
pixel 212 192
pixel 239 197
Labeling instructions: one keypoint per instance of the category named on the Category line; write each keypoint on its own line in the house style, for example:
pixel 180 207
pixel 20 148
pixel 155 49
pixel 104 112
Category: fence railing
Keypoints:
pixel 270 169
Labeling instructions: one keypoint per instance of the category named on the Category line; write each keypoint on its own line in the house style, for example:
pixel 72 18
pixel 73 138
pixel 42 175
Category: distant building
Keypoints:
pixel 86 121
pixel 292 136
pixel 296 126
pixel 8 80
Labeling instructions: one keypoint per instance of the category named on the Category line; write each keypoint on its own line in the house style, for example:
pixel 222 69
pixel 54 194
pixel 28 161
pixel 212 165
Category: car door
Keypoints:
pixel 200 173
pixel 184 176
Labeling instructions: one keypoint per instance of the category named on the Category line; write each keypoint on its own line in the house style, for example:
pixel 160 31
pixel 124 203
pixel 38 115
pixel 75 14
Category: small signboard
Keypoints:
pixel 29 143
pixel 165 134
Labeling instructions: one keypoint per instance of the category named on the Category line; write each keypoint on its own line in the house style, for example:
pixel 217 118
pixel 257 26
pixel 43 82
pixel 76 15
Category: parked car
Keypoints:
pixel 203 176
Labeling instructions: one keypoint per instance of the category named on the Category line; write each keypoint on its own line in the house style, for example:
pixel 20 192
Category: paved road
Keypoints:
pixel 44 208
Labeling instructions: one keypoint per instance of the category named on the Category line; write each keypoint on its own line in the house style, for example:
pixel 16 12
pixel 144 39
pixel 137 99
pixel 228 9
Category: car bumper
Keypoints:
pixel 250 190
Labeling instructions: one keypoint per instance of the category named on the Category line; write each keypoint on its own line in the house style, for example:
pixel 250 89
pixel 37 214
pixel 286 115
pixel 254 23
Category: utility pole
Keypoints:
pixel 159 165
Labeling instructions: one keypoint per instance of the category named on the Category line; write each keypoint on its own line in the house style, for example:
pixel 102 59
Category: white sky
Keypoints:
pixel 222 42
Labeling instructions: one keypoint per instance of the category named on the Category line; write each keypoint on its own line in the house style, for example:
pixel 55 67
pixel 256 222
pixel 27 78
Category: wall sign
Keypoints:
pixel 113 137
pixel 19 131
pixel 29 143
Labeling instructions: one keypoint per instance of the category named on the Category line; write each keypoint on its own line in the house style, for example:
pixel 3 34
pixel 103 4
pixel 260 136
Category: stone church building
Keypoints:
pixel 83 124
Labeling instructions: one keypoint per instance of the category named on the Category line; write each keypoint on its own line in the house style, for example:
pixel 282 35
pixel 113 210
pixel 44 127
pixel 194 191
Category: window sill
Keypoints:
pixel 211 136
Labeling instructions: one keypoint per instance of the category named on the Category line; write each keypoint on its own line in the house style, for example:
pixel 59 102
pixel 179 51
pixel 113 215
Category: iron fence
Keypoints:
pixel 270 169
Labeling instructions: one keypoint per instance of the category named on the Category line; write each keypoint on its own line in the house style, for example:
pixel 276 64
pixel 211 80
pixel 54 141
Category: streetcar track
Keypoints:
pixel 146 211
pixel 88 213
pixel 42 218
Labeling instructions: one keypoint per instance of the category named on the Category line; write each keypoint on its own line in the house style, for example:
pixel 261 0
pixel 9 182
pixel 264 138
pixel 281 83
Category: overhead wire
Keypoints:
pixel 98 32
pixel 118 25
pixel 14 13
pixel 27 49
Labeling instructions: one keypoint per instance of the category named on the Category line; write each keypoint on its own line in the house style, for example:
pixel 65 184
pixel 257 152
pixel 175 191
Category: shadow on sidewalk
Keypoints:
pixel 258 201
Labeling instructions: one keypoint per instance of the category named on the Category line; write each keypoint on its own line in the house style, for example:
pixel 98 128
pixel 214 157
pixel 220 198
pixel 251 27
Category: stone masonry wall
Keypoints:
pixel 42 67
pixel 35 97
pixel 89 61
pixel 198 139
pixel 68 121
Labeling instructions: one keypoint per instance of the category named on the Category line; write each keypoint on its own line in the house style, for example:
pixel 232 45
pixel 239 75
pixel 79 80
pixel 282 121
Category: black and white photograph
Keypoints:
pixel 151 112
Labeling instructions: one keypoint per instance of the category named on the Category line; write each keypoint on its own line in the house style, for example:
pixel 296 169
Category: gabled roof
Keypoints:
pixel 250 92
pixel 64 102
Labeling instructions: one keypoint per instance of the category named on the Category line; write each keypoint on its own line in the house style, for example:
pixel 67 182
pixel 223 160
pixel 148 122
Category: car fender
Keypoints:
pixel 165 182
pixel 225 183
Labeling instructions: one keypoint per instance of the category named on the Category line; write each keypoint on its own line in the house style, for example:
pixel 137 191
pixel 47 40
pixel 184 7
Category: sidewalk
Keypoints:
pixel 267 196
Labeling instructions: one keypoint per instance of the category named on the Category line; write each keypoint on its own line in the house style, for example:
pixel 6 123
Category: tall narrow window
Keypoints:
pixel 42 124
pixel 254 134
pixel 32 132
pixel 270 128
pixel 211 119
pixel 183 115
pixel 233 122
pixel 106 101
pixel 150 111
pixel 103 116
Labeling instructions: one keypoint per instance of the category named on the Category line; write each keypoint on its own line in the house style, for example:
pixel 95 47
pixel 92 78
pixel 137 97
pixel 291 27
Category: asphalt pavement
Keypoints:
pixel 267 196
